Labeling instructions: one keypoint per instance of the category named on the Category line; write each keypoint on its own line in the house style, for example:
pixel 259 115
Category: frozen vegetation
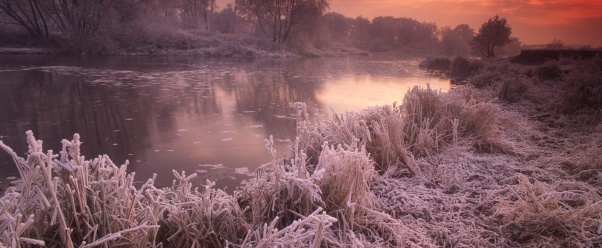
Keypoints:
pixel 510 159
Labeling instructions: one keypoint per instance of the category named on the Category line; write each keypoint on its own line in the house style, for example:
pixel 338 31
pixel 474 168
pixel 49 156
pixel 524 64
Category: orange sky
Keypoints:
pixel 532 21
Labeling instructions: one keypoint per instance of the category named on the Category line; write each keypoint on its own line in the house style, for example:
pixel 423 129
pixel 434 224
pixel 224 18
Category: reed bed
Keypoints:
pixel 459 169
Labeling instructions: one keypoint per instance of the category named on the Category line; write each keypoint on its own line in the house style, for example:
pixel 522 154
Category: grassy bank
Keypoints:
pixel 191 43
pixel 510 159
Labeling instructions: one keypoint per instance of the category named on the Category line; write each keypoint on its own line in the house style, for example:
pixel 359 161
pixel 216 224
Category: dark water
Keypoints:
pixel 209 116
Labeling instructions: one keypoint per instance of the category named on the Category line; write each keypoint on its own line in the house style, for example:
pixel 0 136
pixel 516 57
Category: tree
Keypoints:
pixel 457 40
pixel 513 48
pixel 28 14
pixel 494 33
pixel 338 25
pixel 194 10
pixel 555 44
pixel 360 31
pixel 279 18
pixel 465 32
pixel 225 21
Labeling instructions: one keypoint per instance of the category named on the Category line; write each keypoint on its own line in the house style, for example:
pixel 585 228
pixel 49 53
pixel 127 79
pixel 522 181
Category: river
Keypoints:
pixel 209 116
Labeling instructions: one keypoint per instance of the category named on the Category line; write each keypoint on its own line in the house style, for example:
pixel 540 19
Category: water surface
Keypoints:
pixel 209 116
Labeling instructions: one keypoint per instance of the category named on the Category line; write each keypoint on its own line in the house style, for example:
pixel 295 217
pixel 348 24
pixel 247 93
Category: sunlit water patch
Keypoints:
pixel 182 113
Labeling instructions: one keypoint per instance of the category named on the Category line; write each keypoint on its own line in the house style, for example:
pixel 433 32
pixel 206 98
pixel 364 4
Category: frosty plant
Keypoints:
pixel 91 203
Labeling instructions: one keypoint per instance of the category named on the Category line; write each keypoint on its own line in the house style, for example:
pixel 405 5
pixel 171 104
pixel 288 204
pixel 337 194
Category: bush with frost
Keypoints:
pixel 583 86
pixel 548 71
pixel 427 121
pixel 73 201
pixel 67 201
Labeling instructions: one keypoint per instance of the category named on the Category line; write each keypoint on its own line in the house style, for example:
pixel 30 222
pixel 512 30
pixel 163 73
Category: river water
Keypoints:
pixel 209 116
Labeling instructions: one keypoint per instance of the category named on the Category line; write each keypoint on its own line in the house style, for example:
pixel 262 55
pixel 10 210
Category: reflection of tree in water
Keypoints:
pixel 267 88
pixel 113 120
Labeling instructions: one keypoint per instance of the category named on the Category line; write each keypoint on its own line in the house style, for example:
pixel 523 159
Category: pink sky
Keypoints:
pixel 532 21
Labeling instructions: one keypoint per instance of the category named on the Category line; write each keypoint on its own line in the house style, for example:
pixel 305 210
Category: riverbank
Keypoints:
pixel 512 159
pixel 200 44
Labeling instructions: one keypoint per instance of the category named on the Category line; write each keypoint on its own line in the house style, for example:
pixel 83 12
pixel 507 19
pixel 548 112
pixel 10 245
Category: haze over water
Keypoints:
pixel 209 116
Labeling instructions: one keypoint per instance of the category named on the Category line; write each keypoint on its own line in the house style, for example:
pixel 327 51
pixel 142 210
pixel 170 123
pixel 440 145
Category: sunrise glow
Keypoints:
pixel 533 22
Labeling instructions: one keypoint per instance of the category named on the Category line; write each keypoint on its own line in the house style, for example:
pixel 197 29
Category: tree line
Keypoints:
pixel 105 25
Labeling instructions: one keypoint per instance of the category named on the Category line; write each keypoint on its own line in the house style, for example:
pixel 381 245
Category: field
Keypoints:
pixel 511 158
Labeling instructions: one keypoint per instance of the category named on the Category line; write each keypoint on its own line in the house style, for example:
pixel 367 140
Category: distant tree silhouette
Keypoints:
pixel 192 11
pixel 464 31
pixel 388 32
pixel 494 33
pixel 513 48
pixel 360 31
pixel 555 44
pixel 457 40
pixel 337 24
pixel 225 20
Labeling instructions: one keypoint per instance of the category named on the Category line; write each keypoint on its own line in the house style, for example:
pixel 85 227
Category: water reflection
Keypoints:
pixel 183 113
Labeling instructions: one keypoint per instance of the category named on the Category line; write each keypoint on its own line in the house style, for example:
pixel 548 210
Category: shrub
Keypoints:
pixel 462 67
pixel 548 72
pixel 583 87
pixel 436 63
pixel 484 79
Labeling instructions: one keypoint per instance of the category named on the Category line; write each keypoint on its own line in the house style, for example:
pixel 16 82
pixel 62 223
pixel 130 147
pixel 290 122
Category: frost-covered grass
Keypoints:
pixel 20 50
pixel 493 166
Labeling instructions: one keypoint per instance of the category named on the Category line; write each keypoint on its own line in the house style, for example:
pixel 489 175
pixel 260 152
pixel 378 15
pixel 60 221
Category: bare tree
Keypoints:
pixel 494 33
pixel 162 8
pixel 225 21
pixel 278 18
pixel 194 11
pixel 28 14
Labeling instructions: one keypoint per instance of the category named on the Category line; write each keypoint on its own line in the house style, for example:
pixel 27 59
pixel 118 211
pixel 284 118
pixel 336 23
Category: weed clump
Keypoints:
pixel 560 214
